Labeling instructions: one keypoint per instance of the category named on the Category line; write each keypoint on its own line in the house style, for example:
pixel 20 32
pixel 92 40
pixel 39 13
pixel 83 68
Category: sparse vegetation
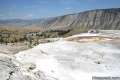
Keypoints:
pixel 32 36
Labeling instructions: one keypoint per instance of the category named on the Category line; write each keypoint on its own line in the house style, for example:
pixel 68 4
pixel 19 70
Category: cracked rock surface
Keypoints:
pixel 11 69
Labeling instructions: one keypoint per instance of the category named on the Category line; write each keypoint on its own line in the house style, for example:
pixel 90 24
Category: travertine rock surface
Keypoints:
pixel 78 57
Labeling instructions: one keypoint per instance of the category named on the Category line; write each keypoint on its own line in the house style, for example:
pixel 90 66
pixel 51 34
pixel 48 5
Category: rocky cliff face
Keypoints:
pixel 98 19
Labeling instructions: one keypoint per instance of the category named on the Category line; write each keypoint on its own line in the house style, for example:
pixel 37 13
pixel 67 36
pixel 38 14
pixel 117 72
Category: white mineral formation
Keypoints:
pixel 74 58
pixel 78 57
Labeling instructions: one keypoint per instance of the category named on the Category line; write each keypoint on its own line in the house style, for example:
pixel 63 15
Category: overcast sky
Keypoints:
pixel 30 9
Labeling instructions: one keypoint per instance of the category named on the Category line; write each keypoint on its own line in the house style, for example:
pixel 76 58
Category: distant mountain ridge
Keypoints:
pixel 92 19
